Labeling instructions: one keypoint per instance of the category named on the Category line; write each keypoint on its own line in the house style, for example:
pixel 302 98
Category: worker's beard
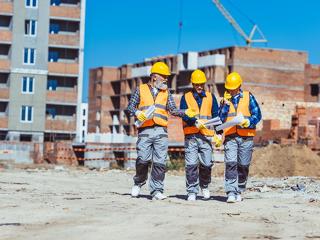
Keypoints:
pixel 160 85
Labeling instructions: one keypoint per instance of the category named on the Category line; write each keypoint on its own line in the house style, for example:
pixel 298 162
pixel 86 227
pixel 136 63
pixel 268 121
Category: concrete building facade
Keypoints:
pixel 41 62
pixel 279 79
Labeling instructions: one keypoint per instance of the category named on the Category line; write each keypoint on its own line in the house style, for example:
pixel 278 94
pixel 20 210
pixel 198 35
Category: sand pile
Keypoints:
pixel 279 161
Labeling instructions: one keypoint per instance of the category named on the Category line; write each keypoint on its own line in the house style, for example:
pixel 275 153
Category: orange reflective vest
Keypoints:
pixel 204 113
pixel 243 107
pixel 160 116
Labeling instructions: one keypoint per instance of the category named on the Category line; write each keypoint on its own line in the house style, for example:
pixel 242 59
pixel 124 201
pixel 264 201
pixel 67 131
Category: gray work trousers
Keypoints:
pixel 152 146
pixel 199 161
pixel 237 157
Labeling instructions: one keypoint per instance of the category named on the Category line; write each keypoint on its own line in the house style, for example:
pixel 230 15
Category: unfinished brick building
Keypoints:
pixel 280 80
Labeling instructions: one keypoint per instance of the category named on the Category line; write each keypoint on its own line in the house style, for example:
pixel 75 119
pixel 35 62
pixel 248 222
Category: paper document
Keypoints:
pixel 213 122
pixel 149 113
pixel 235 121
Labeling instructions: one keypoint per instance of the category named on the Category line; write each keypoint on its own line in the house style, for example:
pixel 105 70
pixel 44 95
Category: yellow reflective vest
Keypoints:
pixel 243 107
pixel 160 116
pixel 204 113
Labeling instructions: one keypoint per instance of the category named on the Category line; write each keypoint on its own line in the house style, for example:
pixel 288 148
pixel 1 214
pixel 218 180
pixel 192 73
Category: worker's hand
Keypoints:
pixel 200 124
pixel 245 123
pixel 191 113
pixel 217 139
pixel 141 116
pixel 227 98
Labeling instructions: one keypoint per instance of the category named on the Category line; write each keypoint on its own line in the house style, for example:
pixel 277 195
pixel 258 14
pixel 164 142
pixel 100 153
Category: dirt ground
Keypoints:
pixel 74 203
pixel 281 161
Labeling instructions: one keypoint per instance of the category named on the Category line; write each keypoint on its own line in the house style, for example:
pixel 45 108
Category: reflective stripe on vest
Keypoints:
pixel 160 116
pixel 243 107
pixel 204 113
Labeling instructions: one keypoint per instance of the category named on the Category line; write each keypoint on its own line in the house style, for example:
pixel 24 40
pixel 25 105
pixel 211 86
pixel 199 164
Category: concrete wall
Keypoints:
pixel 36 100
pixel 21 152
pixel 38 70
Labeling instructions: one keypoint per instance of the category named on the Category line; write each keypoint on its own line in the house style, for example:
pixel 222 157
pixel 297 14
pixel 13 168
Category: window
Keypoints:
pixel 52 85
pixel 27 84
pixel 29 56
pixel 314 90
pixel 55 2
pixel 83 112
pixel 26 114
pixel 83 123
pixel 54 28
pixel 30 27
pixel 31 3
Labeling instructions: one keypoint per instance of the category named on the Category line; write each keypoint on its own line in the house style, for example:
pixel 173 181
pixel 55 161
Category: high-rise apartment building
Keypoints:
pixel 41 68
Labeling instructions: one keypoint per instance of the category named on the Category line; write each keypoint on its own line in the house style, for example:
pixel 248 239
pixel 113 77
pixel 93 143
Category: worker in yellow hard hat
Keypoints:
pixel 198 138
pixel 238 143
pixel 152 144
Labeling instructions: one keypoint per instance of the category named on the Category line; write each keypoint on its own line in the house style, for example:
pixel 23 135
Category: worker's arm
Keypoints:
pixel 134 102
pixel 172 108
pixel 223 111
pixel 215 110
pixel 255 112
pixel 184 106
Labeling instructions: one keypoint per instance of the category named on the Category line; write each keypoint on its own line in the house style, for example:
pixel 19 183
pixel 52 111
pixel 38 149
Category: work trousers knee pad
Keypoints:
pixel 231 171
pixel 192 173
pixel 204 175
pixel 158 171
pixel 141 172
pixel 243 171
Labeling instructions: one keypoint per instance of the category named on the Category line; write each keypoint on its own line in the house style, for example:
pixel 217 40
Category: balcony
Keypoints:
pixel 65 12
pixel 61 96
pixel 4 92
pixel 62 68
pixel 5 35
pixel 64 39
pixel 61 123
pixel 6 7
pixel 4 64
pixel 3 120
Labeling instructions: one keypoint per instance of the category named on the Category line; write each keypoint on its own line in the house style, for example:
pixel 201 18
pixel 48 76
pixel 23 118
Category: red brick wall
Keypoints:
pixel 312 76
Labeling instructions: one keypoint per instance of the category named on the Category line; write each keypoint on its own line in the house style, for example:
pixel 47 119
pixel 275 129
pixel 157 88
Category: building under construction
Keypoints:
pixel 41 66
pixel 281 80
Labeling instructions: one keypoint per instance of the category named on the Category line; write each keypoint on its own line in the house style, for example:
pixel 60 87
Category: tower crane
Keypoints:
pixel 248 38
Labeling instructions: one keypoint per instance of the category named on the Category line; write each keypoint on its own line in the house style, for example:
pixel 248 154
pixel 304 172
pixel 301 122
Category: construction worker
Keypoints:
pixel 152 144
pixel 238 143
pixel 198 138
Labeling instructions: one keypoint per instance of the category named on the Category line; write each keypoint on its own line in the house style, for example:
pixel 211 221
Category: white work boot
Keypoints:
pixel 192 197
pixel 231 199
pixel 238 198
pixel 135 191
pixel 205 193
pixel 159 196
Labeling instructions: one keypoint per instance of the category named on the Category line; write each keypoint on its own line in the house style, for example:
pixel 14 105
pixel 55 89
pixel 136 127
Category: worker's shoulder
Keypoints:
pixel 248 92
pixel 186 93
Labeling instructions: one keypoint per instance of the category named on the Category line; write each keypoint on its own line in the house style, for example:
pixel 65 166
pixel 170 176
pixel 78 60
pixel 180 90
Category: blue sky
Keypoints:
pixel 119 32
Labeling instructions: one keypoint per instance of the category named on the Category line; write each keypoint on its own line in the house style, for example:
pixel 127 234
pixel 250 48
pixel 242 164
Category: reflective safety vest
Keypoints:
pixel 204 113
pixel 160 115
pixel 243 107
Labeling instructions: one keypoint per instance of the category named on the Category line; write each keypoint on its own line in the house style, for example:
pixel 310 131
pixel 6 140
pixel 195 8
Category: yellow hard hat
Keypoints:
pixel 160 68
pixel 233 81
pixel 198 77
